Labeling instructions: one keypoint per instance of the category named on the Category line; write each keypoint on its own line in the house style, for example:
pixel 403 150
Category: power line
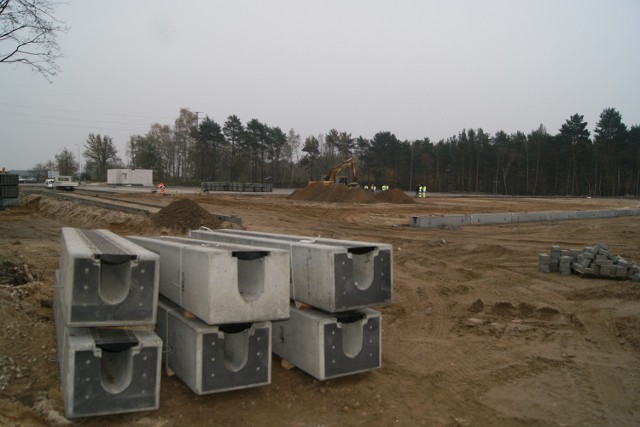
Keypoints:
pixel 85 112
pixel 68 118
pixel 69 125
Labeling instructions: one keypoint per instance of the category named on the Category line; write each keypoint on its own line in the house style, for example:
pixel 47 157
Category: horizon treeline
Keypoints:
pixel 569 162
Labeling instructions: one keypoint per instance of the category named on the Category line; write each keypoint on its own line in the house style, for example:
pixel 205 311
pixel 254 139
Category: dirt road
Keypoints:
pixel 476 334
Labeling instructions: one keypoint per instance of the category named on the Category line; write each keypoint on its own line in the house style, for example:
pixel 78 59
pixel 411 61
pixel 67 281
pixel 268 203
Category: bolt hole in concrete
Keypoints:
pixel 362 266
pixel 251 273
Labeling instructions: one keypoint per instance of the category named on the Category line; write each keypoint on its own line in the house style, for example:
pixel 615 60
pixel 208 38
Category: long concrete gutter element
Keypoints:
pixel 222 283
pixel 212 359
pixel 106 280
pixel 439 221
pixel 106 371
pixel 333 275
pixel 328 345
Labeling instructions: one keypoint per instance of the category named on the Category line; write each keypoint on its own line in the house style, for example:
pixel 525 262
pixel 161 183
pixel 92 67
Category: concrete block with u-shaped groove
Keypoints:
pixel 326 345
pixel 106 371
pixel 106 280
pixel 222 283
pixel 330 274
pixel 212 359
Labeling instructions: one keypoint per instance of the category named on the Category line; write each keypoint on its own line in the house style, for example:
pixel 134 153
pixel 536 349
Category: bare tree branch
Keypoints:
pixel 28 32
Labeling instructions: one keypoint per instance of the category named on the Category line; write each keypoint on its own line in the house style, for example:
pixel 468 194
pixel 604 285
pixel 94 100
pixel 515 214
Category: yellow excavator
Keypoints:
pixel 332 176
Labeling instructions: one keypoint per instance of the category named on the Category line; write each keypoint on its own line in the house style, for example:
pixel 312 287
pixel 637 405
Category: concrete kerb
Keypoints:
pixel 330 274
pixel 433 221
pixel 222 283
pixel 438 221
pixel 490 218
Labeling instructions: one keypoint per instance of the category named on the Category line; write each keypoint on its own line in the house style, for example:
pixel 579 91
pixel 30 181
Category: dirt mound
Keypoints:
pixel 395 195
pixel 78 215
pixel 184 215
pixel 319 192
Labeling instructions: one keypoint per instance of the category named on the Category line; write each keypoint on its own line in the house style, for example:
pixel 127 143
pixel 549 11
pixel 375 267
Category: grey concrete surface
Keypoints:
pixel 328 345
pixel 212 359
pixel 222 283
pixel 438 221
pixel 106 371
pixel 333 275
pixel 106 280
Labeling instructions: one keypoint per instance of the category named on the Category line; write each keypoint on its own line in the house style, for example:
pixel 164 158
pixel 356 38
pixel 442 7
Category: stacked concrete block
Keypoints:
pixel 554 260
pixel 217 304
pixel 544 262
pixel 591 261
pixel 236 186
pixel 333 275
pixel 9 191
pixel 107 280
pixel 564 265
pixel 334 333
pixel 222 283
pixel 211 359
pixel 328 345
pixel 105 304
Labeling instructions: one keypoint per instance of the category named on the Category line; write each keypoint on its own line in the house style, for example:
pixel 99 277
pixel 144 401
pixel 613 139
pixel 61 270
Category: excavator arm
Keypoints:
pixel 331 176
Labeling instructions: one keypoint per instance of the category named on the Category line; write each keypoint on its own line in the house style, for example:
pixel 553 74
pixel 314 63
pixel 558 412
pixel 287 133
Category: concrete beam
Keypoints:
pixel 330 345
pixel 212 359
pixel 222 283
pixel 433 221
pixel 106 371
pixel 106 280
pixel 333 275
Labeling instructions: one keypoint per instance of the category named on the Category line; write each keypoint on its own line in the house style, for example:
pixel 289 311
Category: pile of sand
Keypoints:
pixel 319 192
pixel 184 215
pixel 395 195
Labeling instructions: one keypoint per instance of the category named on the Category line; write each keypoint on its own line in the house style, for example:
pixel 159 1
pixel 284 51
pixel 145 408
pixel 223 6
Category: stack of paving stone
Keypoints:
pixel 216 305
pixel 591 261
pixel 332 331
pixel 8 191
pixel 105 305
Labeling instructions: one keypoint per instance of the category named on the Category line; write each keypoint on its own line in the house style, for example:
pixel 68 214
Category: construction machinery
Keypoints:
pixel 332 176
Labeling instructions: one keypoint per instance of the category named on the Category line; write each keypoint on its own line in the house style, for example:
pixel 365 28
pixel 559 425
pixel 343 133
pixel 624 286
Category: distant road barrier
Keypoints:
pixel 441 221
pixel 250 187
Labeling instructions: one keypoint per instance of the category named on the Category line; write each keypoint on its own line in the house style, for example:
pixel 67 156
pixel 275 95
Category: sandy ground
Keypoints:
pixel 476 335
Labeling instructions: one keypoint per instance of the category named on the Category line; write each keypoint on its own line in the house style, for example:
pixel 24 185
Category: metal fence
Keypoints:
pixel 250 187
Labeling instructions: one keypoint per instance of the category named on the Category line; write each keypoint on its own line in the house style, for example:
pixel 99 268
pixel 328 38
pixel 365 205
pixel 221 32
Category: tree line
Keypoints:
pixel 570 162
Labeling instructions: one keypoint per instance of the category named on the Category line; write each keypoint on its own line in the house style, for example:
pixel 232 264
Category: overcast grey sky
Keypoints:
pixel 415 68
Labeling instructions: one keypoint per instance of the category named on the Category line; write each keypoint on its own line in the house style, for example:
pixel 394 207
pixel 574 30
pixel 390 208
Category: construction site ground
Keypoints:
pixel 476 335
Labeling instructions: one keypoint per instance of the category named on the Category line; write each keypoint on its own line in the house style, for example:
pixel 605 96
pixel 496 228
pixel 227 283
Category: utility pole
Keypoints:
pixel 198 118
pixel 79 162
